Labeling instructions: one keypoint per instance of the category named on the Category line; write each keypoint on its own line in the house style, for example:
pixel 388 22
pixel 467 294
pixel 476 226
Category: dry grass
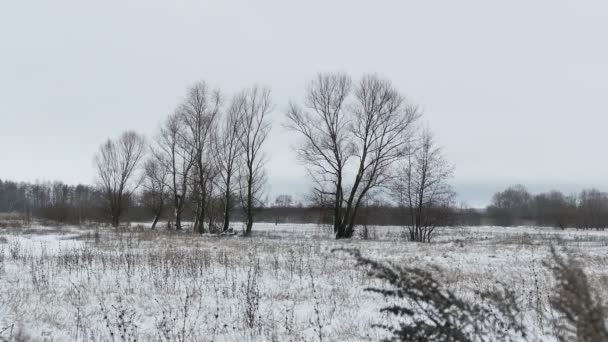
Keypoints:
pixel 281 284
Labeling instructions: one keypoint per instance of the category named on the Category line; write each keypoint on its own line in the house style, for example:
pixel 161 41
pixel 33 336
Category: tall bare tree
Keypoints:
pixel 421 188
pixel 155 187
pixel 228 153
pixel 255 107
pixel 117 163
pixel 199 112
pixel 351 139
pixel 178 157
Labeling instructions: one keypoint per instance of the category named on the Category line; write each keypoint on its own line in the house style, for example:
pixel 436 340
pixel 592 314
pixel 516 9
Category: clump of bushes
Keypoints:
pixel 427 311
pixel 582 317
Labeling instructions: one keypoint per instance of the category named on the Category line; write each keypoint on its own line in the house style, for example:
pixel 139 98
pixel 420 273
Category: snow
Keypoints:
pixel 282 284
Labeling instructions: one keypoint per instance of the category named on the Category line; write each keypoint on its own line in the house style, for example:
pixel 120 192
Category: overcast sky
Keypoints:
pixel 515 91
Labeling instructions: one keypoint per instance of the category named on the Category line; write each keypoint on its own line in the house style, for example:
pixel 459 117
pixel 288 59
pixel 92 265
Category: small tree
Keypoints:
pixel 421 188
pixel 117 163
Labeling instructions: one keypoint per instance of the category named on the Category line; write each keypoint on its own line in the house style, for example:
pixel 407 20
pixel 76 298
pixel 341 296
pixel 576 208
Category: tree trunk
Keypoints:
pixel 201 218
pixel 227 206
pixel 350 228
pixel 195 226
pixel 226 215
pixel 338 208
pixel 342 234
pixel 249 222
pixel 114 213
pixel 249 210
pixel 344 228
pixel 178 218
pixel 178 221
pixel 337 215
pixel 156 217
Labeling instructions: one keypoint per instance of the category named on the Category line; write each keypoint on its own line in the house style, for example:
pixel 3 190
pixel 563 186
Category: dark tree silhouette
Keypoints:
pixel 346 131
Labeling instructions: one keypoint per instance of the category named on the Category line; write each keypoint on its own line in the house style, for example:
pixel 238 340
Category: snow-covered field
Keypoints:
pixel 283 284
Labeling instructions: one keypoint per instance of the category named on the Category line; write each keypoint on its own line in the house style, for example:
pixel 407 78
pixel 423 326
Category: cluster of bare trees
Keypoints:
pixel 515 205
pixel 55 201
pixel 360 138
pixel 207 157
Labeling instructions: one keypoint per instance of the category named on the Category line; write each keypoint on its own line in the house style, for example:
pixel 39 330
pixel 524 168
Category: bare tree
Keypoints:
pixel 228 152
pixel 593 209
pixel 177 156
pixel 117 163
pixel 554 209
pixel 421 188
pixel 256 105
pixel 199 113
pixel 155 187
pixel 283 201
pixel 510 206
pixel 358 133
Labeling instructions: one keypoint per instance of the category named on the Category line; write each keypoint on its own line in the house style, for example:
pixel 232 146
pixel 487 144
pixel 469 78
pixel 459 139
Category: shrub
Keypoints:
pixel 427 311
pixel 582 317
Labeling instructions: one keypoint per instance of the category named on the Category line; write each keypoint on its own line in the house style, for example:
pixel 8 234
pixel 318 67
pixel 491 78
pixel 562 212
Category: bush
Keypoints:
pixel 582 316
pixel 427 311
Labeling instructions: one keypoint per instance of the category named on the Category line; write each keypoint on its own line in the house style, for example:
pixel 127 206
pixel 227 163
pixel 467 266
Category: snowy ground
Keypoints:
pixel 283 284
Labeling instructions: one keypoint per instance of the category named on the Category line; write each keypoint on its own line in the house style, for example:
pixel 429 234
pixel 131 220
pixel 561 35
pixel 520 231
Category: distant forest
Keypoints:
pixel 79 204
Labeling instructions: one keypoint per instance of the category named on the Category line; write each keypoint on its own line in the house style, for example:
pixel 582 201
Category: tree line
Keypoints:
pixel 53 201
pixel 515 205
pixel 60 202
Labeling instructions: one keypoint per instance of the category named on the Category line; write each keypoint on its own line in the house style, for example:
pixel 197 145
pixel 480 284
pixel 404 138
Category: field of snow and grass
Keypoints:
pixel 282 284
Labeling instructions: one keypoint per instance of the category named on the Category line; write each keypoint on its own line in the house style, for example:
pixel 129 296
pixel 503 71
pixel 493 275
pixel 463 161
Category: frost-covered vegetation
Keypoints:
pixel 284 283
